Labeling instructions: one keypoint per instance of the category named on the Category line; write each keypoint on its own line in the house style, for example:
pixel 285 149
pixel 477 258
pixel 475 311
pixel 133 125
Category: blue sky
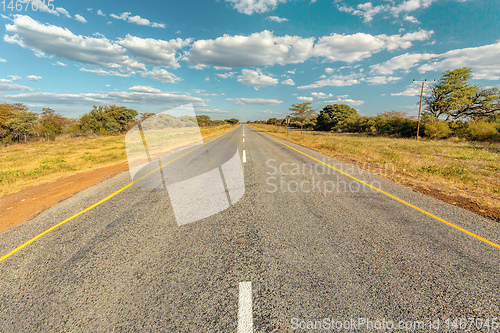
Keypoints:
pixel 249 59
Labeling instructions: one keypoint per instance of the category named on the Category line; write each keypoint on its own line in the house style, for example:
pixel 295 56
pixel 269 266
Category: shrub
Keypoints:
pixel 459 128
pixel 481 131
pixel 437 129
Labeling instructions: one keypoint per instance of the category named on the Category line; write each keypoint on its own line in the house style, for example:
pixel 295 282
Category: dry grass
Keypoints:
pixel 453 167
pixel 34 163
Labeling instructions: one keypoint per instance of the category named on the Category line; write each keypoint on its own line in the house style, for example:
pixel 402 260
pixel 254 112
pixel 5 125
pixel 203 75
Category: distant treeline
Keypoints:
pixel 398 124
pixel 454 107
pixel 19 124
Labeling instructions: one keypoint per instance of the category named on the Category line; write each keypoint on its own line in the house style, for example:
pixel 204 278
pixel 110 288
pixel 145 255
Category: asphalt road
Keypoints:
pixel 344 255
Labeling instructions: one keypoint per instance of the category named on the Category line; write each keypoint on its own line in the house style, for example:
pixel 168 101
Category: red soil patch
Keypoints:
pixel 22 206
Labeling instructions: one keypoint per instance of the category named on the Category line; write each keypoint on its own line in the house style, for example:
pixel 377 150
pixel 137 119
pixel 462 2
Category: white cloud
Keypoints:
pixel 258 49
pixel 211 111
pixel 482 59
pixel 288 82
pixel 42 7
pixel 102 72
pixel 7 85
pixel 164 99
pixel 63 11
pixel 329 70
pixel 411 19
pixel 401 62
pixel 155 52
pixel 80 18
pixel 60 64
pixel 381 79
pixel 225 75
pixel 33 77
pixel 256 78
pixel 409 6
pixel 305 98
pixel 263 48
pixel 2 60
pixel 334 81
pixel 412 90
pixel 254 6
pixel 321 95
pixel 347 101
pixel 125 16
pixel 61 42
pixel 291 72
pixel 276 19
pixel 145 89
pixel 100 13
pixel 359 46
pixel 160 74
pixel 366 10
pixel 254 101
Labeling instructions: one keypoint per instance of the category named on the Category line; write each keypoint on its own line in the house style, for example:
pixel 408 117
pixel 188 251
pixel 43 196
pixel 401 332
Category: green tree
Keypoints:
pixel 233 121
pixel 24 125
pixel 52 123
pixel 146 115
pixel 303 114
pixel 273 121
pixel 395 115
pixel 453 97
pixel 9 111
pixel 110 119
pixel 332 116
pixel 204 120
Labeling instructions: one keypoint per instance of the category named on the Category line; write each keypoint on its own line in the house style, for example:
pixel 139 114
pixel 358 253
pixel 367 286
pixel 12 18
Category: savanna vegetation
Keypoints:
pixel 454 108
pixel 20 125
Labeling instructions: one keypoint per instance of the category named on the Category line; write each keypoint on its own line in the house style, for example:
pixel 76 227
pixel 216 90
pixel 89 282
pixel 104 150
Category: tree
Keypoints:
pixel 273 121
pixel 107 119
pixel 203 120
pixel 52 123
pixel 394 115
pixel 146 115
pixel 233 121
pixel 454 98
pixel 333 116
pixel 24 125
pixel 303 114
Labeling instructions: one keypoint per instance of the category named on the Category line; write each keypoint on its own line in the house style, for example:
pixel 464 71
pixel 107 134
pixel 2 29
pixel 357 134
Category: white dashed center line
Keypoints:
pixel 244 157
pixel 245 315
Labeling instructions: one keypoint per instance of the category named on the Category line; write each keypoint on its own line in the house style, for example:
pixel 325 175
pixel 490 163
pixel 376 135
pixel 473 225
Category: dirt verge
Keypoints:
pixel 19 207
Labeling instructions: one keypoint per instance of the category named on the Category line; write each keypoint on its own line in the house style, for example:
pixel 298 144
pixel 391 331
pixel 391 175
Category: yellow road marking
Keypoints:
pixel 392 196
pixel 100 202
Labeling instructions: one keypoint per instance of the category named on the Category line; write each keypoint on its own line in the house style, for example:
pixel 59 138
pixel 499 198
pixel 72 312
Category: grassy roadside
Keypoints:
pixel 466 174
pixel 35 163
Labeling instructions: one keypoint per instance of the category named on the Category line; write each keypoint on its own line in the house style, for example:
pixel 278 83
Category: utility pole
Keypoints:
pixel 420 106
pixel 287 124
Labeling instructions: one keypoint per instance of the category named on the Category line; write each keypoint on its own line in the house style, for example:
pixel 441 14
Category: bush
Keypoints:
pixel 481 131
pixel 437 129
pixel 459 128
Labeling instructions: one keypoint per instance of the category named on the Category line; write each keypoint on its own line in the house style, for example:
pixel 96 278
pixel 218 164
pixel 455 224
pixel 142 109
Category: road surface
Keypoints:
pixel 285 256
